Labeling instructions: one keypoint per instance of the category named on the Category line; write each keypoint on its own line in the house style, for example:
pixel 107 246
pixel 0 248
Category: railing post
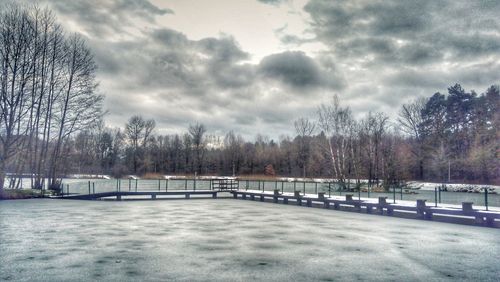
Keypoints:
pixel 129 184
pixel 294 185
pixel 394 194
pixel 89 187
pixel 281 187
pixel 369 187
pixel 359 192
pixel 304 189
pixel 329 189
pixel 435 196
pixel 316 188
pixel 486 197
pixel 185 184
pixel 401 192
pixel 67 189
pixel 120 185
pixel 439 194
pixel 93 187
pixel 166 185
pixel 159 183
pixel 136 180
pixel 263 186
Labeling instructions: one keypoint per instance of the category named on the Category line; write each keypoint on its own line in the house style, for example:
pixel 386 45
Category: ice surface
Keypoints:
pixel 232 240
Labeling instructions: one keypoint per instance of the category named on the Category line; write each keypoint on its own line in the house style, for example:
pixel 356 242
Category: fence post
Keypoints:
pixel 67 189
pixel 401 192
pixel 263 186
pixel 89 187
pixel 329 189
pixel 136 184
pixel 359 191
pixel 435 196
pixel 119 185
pixel 369 187
pixel 93 187
pixel 159 183
pixel 116 185
pixel 275 184
pixel 294 185
pixel 129 184
pixel 304 188
pixel 166 185
pixel 439 194
pixel 282 187
pixel 316 188
pixel 394 194
pixel 486 197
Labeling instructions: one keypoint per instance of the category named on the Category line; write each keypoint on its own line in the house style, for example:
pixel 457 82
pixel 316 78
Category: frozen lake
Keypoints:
pixel 232 240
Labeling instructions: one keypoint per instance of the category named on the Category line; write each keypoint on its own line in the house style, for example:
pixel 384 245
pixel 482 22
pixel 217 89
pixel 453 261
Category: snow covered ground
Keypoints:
pixel 454 187
pixel 233 240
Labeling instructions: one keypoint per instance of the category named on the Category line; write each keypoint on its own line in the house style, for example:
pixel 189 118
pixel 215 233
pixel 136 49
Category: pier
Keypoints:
pixel 419 210
pixel 321 197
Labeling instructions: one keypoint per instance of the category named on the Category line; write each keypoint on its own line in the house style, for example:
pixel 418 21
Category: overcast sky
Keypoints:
pixel 256 66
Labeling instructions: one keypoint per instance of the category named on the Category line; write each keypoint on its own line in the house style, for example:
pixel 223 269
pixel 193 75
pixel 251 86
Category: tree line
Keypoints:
pixel 442 138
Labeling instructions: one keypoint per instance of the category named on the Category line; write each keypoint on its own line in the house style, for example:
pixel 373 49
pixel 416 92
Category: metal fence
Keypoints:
pixel 394 195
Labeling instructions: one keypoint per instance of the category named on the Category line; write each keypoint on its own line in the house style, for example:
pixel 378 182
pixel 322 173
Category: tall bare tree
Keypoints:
pixel 138 132
pixel 410 119
pixel 197 132
pixel 304 128
pixel 336 122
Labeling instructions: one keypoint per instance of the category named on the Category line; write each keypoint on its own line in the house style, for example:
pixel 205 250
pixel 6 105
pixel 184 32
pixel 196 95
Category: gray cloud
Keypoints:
pixel 398 28
pixel 395 50
pixel 102 18
pixel 272 2
pixel 298 70
pixel 378 54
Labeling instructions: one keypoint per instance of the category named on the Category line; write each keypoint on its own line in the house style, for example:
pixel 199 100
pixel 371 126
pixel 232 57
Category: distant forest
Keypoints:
pixel 444 136
pixel 52 125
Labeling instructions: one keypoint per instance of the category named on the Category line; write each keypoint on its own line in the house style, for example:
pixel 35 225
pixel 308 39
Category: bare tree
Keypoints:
pixel 197 132
pixel 410 119
pixel 304 129
pixel 233 145
pixel 138 132
pixel 373 129
pixel 336 123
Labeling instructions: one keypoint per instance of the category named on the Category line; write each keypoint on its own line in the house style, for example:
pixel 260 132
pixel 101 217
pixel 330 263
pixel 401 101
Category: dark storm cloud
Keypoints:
pixel 298 70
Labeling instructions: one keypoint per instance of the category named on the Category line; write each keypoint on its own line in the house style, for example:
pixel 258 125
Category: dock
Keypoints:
pixel 465 213
pixel 419 210
pixel 153 195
